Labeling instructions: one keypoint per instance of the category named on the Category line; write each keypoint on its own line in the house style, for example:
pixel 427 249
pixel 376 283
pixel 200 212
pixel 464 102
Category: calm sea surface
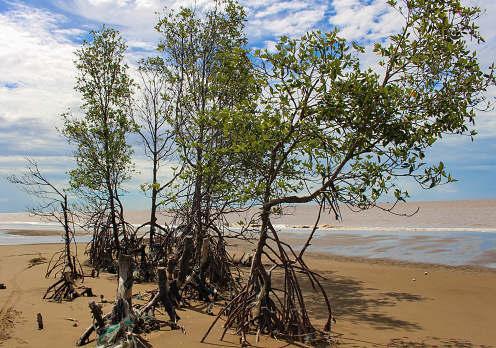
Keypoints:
pixel 445 232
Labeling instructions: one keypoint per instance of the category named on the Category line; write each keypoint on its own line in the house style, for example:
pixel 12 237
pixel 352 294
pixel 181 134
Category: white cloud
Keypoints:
pixel 36 74
pixel 370 22
pixel 37 71
pixel 135 20
pixel 281 6
pixel 294 25
pixel 291 18
pixel 270 46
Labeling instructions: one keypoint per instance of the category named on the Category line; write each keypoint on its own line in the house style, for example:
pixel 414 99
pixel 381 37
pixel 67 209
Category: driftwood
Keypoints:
pixel 98 325
pixel 64 289
pixel 122 326
pixel 89 330
pixel 163 297
pixel 124 322
pixel 121 310
pixel 96 310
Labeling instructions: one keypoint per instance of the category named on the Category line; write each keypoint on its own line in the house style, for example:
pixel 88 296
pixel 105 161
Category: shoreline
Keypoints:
pixel 37 231
pixel 377 304
pixel 450 248
pixel 476 213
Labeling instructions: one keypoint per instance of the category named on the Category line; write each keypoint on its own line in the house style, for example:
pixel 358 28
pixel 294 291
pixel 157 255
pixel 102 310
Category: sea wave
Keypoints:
pixel 30 223
pixel 33 224
pixel 384 228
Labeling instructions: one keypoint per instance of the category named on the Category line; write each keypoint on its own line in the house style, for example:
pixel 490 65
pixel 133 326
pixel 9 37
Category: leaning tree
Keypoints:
pixel 327 130
pixel 52 204
pixel 103 156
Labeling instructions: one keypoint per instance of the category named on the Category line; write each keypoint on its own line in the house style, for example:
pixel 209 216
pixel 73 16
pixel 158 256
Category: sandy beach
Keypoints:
pixel 379 297
pixel 377 303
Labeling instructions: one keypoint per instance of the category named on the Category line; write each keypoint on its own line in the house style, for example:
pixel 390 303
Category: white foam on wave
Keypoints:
pixel 34 224
pixel 383 228
pixel 31 223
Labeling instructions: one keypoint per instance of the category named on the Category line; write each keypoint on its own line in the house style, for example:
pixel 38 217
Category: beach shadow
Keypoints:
pixel 434 343
pixel 404 296
pixel 350 299
pixel 143 343
pixel 200 307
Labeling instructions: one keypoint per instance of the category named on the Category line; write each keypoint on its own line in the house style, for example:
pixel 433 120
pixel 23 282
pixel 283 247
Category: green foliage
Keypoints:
pixel 103 157
pixel 209 73
pixel 331 128
pixel 206 57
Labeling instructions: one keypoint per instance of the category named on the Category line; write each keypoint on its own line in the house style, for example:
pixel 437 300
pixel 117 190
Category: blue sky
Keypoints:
pixel 38 39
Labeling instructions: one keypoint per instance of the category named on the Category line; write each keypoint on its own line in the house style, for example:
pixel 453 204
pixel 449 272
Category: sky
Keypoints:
pixel 38 39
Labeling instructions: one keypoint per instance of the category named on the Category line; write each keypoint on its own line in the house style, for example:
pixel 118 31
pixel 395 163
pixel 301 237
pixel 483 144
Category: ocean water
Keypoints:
pixel 11 239
pixel 454 248
pixel 45 232
pixel 444 232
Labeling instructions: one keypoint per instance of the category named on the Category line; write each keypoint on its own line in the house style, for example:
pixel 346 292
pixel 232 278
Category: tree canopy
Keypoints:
pixel 328 125
pixel 208 72
pixel 103 156
pixel 328 130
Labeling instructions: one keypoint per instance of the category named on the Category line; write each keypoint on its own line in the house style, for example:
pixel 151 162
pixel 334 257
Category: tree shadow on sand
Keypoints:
pixel 434 342
pixel 350 299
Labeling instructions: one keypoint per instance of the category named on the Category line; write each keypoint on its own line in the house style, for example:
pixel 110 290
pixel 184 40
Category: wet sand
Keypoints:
pixel 377 303
pixel 444 232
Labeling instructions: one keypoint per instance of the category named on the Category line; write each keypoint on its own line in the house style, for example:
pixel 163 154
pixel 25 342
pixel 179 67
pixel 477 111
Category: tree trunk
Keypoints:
pixel 125 287
pixel 205 258
pixel 153 214
pixel 122 309
pixel 153 219
pixel 68 238
pixel 164 295
pixel 96 310
pixel 113 221
pixel 184 263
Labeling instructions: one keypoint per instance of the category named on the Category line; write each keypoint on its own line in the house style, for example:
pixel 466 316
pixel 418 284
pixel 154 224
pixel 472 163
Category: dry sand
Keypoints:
pixel 376 303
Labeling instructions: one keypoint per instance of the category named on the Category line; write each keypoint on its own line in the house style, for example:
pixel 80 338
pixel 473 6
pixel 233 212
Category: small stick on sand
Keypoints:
pixel 39 318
